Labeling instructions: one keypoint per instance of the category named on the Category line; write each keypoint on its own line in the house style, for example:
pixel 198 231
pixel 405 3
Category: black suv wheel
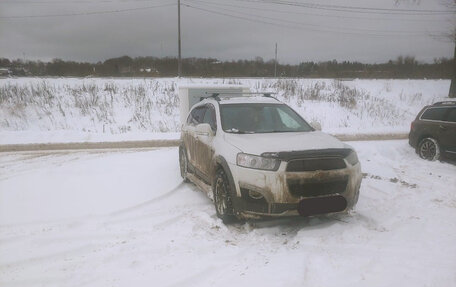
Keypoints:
pixel 428 148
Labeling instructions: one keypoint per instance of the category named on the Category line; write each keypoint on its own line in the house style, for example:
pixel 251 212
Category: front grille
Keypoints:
pixel 317 153
pixel 312 164
pixel 307 189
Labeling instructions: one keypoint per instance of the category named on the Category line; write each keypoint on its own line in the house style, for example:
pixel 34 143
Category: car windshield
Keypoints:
pixel 261 118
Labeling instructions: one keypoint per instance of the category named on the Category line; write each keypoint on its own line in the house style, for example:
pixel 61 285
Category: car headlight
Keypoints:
pixel 257 162
pixel 352 158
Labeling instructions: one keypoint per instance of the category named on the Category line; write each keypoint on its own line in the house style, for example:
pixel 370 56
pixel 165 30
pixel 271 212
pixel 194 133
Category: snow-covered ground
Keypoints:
pixel 41 110
pixel 123 218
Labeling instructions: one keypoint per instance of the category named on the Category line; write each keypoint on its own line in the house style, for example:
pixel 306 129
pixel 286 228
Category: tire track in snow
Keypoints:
pixel 50 256
pixel 149 202
pixel 71 221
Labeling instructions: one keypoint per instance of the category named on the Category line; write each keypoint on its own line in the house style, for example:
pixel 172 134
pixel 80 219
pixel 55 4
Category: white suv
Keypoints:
pixel 257 157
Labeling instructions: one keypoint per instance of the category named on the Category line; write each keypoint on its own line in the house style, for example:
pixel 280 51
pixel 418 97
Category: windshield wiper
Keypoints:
pixel 278 131
pixel 236 131
pixel 285 131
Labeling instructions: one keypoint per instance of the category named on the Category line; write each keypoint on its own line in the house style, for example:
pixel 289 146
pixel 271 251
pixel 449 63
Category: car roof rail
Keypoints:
pixel 212 95
pixel 234 94
pixel 444 103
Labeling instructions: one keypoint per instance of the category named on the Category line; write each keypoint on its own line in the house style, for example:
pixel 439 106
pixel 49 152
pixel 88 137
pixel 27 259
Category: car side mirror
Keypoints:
pixel 204 130
pixel 316 125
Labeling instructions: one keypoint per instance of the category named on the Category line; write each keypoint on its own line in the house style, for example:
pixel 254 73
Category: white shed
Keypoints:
pixel 191 94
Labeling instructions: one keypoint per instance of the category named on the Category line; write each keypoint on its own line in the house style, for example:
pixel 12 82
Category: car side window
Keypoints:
pixel 196 116
pixel 209 117
pixel 434 114
pixel 452 115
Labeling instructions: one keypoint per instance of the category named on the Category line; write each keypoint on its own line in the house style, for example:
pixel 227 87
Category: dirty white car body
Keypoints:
pixel 273 173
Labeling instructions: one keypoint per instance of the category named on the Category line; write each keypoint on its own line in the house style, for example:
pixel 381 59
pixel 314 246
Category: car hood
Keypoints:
pixel 257 144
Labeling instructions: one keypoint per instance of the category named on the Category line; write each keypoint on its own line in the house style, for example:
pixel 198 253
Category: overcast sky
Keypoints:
pixel 224 29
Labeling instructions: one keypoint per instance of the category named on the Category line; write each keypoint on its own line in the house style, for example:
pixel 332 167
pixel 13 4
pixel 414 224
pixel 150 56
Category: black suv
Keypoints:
pixel 433 132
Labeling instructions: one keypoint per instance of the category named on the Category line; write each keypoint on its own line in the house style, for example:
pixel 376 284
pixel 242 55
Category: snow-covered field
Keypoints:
pixel 123 218
pixel 101 109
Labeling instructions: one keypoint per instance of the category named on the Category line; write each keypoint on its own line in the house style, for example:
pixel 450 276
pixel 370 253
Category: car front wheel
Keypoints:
pixel 222 199
pixel 183 164
pixel 428 149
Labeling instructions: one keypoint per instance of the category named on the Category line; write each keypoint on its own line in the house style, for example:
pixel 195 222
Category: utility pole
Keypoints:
pixel 275 62
pixel 452 93
pixel 179 60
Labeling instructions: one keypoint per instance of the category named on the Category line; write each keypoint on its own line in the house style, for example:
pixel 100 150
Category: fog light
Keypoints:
pixel 255 194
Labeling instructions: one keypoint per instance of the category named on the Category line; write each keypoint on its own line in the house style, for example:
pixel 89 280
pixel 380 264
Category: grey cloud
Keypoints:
pixel 153 32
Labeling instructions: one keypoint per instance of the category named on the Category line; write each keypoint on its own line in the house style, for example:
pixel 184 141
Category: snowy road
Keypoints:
pixel 123 218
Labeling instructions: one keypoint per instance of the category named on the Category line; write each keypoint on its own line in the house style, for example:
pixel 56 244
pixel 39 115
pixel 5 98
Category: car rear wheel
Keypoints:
pixel 222 198
pixel 183 164
pixel 428 149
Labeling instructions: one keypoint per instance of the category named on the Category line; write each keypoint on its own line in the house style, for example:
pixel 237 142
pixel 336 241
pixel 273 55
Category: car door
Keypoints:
pixel 204 144
pixel 448 131
pixel 432 124
pixel 190 137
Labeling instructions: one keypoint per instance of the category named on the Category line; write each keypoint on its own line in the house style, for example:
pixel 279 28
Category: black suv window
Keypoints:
pixel 452 115
pixel 434 114
pixel 209 117
pixel 196 116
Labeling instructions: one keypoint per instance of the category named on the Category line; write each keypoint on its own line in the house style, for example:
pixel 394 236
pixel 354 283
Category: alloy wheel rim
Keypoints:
pixel 428 150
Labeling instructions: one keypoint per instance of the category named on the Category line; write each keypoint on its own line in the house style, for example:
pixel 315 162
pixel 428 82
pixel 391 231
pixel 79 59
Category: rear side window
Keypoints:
pixel 196 116
pixel 434 114
pixel 452 115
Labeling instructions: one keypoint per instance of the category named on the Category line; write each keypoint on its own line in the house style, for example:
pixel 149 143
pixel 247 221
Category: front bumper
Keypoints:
pixel 287 193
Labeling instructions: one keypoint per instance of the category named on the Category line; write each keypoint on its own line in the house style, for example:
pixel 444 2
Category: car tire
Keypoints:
pixel 183 164
pixel 222 198
pixel 429 149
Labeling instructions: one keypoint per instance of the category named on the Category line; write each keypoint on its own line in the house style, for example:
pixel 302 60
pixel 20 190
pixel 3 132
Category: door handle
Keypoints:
pixel 443 127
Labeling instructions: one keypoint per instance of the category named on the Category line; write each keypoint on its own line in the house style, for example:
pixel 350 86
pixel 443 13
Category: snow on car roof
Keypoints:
pixel 249 99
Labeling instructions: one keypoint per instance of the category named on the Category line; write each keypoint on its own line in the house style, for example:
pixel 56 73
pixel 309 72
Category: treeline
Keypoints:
pixel 400 68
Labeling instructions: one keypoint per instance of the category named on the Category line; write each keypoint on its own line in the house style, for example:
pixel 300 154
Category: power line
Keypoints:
pixel 364 8
pixel 353 31
pixel 355 9
pixel 340 8
pixel 72 1
pixel 245 18
pixel 87 13
pixel 314 14
pixel 358 9
pixel 237 17
pixel 318 25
